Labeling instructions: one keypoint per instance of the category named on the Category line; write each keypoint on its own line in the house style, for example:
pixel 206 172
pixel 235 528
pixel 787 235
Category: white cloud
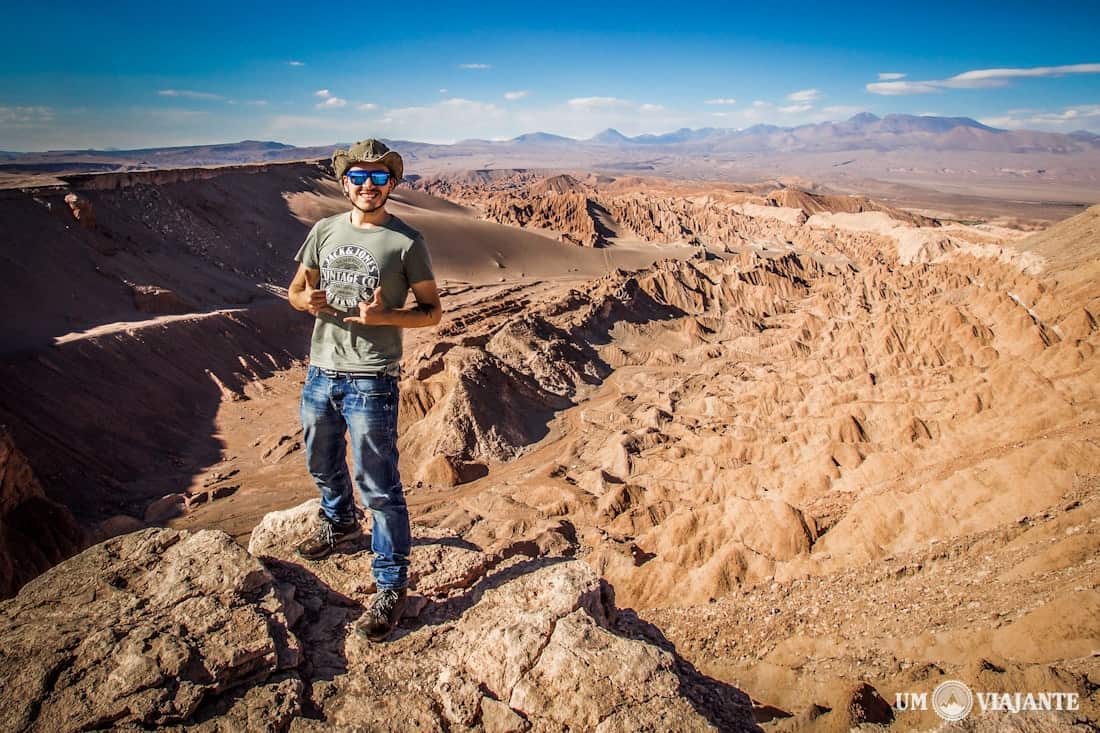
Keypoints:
pixel 25 116
pixel 187 93
pixel 650 108
pixel 257 102
pixel 442 91
pixel 720 100
pixel 367 106
pixel 805 95
pixel 894 88
pixel 295 63
pixel 513 96
pixel 978 79
pixel 467 105
pixel 890 76
pixel 993 75
pixel 800 113
pixel 589 104
pixel 1081 116
pixel 759 112
pixel 443 121
pixel 332 103
pixel 475 67
pixel 322 93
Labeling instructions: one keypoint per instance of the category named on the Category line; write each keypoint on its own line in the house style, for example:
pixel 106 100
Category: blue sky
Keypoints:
pixel 127 74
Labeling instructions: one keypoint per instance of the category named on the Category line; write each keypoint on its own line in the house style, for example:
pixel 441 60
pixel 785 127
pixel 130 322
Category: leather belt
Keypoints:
pixel 335 373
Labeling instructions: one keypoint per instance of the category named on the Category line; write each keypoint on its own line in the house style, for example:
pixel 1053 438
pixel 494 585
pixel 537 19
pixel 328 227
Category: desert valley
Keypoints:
pixel 766 444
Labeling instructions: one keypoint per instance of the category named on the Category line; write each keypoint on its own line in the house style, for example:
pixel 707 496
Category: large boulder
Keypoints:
pixel 143 629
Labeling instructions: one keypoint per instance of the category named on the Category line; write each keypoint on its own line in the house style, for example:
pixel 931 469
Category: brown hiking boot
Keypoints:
pixel 326 537
pixel 383 614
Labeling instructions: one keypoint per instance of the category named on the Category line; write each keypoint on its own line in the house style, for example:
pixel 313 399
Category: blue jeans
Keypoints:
pixel 366 409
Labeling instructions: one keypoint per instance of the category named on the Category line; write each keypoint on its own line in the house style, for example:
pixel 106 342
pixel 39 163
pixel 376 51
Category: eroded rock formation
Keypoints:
pixel 591 212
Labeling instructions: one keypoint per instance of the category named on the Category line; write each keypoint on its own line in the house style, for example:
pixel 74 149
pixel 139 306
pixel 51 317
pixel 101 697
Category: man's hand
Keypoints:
pixel 372 313
pixel 303 296
pixel 317 301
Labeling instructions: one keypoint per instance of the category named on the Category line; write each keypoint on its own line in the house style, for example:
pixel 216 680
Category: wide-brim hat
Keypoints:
pixel 368 151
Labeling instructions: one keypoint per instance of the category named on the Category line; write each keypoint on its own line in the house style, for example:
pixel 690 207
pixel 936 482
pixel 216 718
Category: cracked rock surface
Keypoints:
pixel 142 629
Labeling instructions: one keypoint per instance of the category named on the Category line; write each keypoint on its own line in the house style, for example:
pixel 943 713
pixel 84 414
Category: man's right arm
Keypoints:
pixel 304 295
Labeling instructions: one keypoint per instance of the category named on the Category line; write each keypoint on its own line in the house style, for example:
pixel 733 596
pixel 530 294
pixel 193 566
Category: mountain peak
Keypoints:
pixel 609 136
pixel 541 137
pixel 863 118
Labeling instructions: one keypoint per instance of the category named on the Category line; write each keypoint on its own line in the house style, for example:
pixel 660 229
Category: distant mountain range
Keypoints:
pixel 864 132
pixel 861 132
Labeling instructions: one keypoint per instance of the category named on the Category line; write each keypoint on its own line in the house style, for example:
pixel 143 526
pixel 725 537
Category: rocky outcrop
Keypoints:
pixel 82 210
pixel 175 630
pixel 147 629
pixel 35 532
pixel 812 203
pixel 159 301
pixel 567 212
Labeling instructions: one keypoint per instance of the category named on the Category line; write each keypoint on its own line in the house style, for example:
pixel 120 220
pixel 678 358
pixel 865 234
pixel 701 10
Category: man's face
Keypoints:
pixel 367 197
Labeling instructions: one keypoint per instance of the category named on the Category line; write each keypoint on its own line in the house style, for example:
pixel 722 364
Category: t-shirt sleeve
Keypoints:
pixel 418 263
pixel 309 252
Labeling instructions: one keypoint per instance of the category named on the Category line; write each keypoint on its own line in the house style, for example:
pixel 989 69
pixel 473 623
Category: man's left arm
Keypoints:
pixel 427 312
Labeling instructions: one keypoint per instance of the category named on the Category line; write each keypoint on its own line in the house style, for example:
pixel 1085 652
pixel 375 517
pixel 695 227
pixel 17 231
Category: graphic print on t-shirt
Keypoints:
pixel 349 274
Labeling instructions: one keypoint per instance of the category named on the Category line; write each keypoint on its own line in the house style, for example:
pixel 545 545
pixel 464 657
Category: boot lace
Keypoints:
pixel 383 604
pixel 326 534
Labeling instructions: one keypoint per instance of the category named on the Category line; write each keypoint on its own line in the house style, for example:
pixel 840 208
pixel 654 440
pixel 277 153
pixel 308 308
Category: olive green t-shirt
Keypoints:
pixel 353 262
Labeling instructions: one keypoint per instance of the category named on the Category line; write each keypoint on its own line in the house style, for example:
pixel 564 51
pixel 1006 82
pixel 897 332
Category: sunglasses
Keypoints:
pixel 378 178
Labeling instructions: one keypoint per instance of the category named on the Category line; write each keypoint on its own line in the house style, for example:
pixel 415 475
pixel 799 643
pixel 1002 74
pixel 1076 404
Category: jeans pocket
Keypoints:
pixel 376 395
pixel 372 411
pixel 373 387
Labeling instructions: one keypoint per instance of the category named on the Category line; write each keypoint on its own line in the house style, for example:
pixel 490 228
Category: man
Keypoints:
pixel 355 271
